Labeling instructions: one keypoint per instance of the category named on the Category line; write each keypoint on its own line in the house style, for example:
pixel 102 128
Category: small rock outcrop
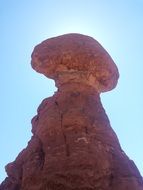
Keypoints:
pixel 73 146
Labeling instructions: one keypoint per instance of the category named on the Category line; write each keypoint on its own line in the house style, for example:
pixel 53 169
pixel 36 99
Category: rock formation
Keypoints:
pixel 73 146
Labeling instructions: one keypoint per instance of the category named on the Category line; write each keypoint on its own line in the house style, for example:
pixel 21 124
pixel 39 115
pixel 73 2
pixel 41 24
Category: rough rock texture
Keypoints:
pixel 73 146
pixel 76 58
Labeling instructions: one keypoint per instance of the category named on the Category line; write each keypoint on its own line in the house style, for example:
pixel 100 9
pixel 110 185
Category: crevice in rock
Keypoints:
pixel 111 178
pixel 41 154
pixel 67 151
pixel 42 158
pixel 86 130
pixel 65 138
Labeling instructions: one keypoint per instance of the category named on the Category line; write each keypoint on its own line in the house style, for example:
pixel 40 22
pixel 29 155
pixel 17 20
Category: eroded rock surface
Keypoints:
pixel 73 146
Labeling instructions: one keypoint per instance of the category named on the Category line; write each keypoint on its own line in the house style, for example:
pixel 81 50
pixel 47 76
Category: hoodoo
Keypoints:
pixel 73 146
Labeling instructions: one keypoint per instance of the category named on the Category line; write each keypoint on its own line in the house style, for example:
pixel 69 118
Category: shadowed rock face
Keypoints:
pixel 73 146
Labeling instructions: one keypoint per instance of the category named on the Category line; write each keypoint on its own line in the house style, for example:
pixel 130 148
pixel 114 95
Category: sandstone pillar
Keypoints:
pixel 73 146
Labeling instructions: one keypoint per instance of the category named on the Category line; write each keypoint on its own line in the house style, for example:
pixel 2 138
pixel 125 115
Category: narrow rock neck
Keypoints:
pixel 77 87
pixel 82 78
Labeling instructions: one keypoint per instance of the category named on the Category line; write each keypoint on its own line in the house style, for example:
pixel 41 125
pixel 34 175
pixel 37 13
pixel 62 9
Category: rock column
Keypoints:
pixel 73 146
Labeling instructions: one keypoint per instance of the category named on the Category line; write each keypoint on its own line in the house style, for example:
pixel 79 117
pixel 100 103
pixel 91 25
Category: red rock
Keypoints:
pixel 75 58
pixel 73 146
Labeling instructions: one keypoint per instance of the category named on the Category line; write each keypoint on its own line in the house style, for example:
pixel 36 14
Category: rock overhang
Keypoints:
pixel 75 58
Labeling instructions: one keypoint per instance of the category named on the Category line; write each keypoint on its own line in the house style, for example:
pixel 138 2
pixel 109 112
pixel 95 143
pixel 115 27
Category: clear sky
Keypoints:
pixel 116 24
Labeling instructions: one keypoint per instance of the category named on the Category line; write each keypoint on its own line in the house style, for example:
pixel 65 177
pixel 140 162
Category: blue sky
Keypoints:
pixel 117 25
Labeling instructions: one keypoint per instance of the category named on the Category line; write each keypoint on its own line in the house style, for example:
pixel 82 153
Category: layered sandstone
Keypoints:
pixel 73 146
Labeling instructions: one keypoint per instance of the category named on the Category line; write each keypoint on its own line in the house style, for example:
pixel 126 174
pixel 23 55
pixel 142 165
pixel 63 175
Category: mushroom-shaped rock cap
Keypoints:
pixel 75 58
